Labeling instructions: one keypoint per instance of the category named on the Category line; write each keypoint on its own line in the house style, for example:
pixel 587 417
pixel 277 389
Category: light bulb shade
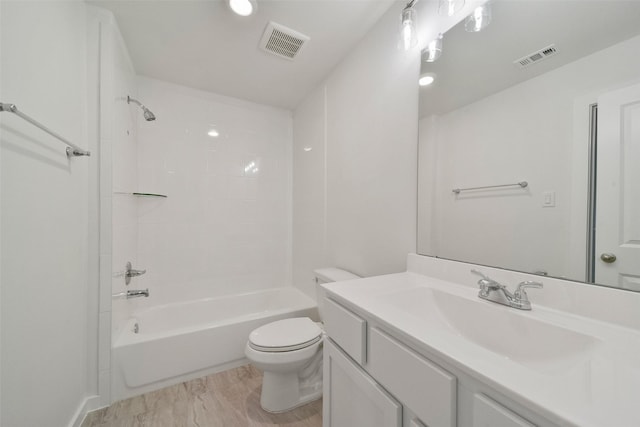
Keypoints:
pixel 479 19
pixel 242 7
pixel 450 7
pixel 433 50
pixel 408 32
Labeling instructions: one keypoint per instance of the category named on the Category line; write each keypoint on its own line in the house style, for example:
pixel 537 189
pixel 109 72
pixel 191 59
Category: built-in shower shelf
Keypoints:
pixel 149 195
pixel 142 194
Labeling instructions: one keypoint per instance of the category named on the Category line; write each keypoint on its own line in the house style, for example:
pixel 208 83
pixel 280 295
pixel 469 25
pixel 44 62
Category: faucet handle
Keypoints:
pixel 134 273
pixel 129 272
pixel 520 292
pixel 487 282
pixel 481 274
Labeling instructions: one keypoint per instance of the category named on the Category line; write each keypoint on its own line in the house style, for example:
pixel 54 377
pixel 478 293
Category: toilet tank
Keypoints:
pixel 329 275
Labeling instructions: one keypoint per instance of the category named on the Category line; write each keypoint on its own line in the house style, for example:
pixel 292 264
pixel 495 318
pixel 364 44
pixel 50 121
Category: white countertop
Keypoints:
pixel 599 388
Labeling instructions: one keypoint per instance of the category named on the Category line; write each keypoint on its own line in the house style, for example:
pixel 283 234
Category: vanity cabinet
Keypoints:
pixel 374 378
pixel 351 397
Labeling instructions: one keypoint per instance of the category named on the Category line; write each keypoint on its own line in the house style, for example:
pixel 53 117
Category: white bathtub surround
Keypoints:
pixel 184 340
pixel 571 360
pixel 118 174
pixel 225 226
pixel 223 229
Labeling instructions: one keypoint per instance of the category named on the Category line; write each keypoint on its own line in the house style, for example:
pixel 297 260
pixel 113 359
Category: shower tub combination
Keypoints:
pixel 172 343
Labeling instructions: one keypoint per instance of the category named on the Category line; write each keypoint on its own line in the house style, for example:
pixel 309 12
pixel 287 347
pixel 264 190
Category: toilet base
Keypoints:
pixel 282 392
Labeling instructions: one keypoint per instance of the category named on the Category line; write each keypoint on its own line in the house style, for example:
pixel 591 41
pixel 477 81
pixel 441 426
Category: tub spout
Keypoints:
pixel 132 294
pixel 138 293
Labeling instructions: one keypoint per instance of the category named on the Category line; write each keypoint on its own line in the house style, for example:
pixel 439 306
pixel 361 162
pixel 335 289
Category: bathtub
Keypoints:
pixel 172 343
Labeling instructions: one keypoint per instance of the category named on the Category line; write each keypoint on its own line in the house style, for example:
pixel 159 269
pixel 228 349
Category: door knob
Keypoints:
pixel 608 258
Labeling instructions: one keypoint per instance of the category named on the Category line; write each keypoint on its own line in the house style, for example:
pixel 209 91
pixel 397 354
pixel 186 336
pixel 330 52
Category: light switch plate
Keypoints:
pixel 548 199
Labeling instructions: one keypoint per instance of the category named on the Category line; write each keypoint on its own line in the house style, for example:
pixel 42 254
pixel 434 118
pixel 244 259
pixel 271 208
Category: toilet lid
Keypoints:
pixel 285 335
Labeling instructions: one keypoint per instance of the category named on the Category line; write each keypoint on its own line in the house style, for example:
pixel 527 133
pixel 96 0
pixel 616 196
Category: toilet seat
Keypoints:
pixel 285 335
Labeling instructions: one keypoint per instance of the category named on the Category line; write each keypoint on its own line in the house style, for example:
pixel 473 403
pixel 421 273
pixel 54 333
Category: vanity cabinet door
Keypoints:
pixel 351 397
pixel 489 413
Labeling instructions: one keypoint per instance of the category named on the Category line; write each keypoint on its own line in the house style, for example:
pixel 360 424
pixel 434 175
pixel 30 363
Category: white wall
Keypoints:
pixel 372 108
pixel 225 226
pixel 488 142
pixel 46 314
pixel 362 124
pixel 355 203
pixel 309 190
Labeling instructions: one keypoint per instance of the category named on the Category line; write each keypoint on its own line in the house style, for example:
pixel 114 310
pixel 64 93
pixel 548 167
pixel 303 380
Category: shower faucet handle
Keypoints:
pixel 130 272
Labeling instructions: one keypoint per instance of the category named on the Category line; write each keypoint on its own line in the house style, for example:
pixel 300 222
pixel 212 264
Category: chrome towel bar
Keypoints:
pixel 522 184
pixel 72 149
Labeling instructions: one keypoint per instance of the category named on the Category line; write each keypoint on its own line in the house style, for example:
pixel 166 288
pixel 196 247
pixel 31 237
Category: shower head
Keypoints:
pixel 148 115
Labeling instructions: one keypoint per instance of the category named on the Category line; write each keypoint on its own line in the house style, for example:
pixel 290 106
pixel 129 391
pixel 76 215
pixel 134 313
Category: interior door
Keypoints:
pixel 618 189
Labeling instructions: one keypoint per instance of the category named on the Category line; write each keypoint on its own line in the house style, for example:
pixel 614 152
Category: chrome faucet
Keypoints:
pixel 495 292
pixel 130 272
pixel 132 294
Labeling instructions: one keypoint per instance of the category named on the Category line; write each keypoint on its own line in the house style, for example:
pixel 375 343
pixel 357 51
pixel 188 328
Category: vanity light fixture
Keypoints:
pixel 426 79
pixel 450 7
pixel 243 7
pixel 408 31
pixel 479 19
pixel 433 50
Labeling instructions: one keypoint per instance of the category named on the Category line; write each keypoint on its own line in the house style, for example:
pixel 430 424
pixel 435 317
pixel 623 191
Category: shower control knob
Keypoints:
pixel 130 272
pixel 608 258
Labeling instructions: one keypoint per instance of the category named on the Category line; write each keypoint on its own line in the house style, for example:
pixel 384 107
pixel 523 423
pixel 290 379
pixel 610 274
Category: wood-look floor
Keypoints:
pixel 226 399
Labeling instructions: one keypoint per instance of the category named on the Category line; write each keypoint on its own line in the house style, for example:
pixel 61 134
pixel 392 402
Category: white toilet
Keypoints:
pixel 289 352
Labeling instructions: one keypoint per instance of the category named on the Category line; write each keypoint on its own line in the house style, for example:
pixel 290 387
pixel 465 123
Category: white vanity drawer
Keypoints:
pixel 347 329
pixel 426 389
pixel 489 413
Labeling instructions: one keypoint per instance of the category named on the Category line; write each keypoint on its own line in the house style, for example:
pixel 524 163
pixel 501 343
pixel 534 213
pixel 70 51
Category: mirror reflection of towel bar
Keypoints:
pixel 522 184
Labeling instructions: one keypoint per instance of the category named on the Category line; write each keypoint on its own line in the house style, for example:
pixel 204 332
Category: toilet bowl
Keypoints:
pixel 289 352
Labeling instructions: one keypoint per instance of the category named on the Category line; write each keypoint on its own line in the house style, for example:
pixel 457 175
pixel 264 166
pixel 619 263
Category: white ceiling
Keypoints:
pixel 475 65
pixel 203 45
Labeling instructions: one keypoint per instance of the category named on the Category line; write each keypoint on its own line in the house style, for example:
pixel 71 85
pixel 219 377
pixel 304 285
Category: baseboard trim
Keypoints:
pixel 89 404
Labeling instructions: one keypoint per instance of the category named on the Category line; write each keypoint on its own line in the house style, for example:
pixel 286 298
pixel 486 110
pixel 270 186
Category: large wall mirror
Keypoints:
pixel 529 151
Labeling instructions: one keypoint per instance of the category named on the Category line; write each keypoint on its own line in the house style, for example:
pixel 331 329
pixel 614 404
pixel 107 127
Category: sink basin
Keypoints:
pixel 542 346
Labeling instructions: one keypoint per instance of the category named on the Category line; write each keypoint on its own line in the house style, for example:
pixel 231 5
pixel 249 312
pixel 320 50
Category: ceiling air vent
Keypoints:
pixel 282 41
pixel 534 57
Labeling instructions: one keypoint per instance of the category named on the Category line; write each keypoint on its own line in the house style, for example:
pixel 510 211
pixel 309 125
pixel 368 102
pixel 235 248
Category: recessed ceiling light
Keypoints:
pixel 242 7
pixel 426 79
pixel 307 149
pixel 213 133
